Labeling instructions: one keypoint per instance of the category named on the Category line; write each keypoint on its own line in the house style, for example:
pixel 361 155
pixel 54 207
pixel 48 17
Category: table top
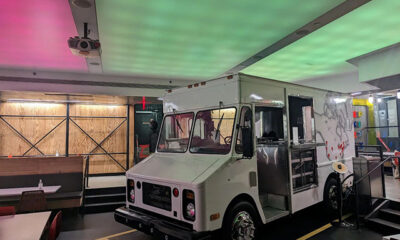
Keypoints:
pixel 27 226
pixel 7 192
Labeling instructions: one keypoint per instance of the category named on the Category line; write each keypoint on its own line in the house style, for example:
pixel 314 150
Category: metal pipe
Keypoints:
pixel 29 116
pixel 67 133
pixel 382 171
pixel 85 30
pixel 127 136
pixel 96 117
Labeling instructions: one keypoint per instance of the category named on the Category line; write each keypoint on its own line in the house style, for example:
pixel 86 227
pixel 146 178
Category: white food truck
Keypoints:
pixel 238 152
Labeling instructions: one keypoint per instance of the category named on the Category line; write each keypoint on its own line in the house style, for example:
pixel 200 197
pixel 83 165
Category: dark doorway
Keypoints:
pixel 142 127
pixel 296 105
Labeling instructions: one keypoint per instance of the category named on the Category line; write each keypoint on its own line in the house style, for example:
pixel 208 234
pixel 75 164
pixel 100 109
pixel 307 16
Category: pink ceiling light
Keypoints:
pixel 34 33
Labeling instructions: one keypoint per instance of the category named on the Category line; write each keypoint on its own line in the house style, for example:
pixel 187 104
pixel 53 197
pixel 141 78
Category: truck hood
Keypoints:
pixel 175 167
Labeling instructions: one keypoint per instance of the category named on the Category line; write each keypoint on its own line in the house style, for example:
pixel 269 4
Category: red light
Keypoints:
pixel 143 102
pixel 175 192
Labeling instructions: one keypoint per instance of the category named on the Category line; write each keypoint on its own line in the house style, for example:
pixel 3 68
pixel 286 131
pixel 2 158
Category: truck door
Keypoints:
pixel 302 147
pixel 271 150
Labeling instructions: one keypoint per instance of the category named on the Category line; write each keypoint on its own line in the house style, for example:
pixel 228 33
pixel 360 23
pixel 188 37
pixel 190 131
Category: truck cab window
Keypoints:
pixel 244 121
pixel 213 130
pixel 269 124
pixel 175 132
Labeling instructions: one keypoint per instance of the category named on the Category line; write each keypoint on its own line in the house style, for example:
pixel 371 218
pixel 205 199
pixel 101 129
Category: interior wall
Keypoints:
pixel 98 121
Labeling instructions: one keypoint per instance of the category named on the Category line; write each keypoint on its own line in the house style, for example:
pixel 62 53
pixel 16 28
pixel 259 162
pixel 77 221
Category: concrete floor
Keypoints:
pixel 302 224
pixel 102 226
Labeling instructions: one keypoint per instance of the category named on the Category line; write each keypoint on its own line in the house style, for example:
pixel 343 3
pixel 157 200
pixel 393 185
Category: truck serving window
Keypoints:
pixel 175 132
pixel 213 131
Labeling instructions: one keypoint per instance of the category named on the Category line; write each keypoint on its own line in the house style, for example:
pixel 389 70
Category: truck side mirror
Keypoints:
pixel 247 141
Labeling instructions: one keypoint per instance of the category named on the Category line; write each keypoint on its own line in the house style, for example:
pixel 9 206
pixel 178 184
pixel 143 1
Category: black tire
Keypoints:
pixel 239 210
pixel 331 192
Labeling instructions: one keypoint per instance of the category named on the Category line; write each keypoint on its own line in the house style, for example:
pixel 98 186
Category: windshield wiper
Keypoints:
pixel 178 124
pixel 219 125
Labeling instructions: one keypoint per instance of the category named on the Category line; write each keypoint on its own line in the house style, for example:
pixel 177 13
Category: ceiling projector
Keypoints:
pixel 84 47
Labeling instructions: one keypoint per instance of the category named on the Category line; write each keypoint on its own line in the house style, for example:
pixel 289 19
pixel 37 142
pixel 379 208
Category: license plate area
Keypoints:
pixel 157 196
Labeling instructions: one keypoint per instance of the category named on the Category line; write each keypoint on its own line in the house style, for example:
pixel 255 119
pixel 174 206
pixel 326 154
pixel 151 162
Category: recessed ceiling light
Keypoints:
pixel 82 3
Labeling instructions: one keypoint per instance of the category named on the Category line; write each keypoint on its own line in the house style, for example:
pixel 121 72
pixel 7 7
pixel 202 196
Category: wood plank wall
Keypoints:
pixel 34 128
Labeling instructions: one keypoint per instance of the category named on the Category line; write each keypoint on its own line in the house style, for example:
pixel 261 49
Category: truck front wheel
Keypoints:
pixel 240 223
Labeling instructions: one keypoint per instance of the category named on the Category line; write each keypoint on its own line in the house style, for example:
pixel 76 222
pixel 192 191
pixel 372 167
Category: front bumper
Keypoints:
pixel 155 226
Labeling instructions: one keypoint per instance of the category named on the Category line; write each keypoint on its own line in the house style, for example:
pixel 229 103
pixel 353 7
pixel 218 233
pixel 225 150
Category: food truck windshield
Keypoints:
pixel 212 132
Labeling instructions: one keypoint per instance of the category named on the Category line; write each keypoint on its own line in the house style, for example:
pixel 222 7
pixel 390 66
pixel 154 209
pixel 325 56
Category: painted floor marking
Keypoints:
pixel 116 235
pixel 321 229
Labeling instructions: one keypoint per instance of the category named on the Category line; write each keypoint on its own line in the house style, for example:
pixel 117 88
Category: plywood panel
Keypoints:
pixel 99 129
pixel 34 128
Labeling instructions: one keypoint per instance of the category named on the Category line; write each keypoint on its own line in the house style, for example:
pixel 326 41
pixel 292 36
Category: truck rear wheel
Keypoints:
pixel 331 192
pixel 240 223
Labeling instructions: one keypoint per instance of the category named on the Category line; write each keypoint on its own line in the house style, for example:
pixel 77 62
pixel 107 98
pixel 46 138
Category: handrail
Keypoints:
pixel 87 171
pixel 85 180
pixel 358 181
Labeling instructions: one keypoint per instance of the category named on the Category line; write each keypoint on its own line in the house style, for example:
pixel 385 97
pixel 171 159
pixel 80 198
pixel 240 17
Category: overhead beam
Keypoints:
pixel 66 87
pixel 83 76
pixel 333 14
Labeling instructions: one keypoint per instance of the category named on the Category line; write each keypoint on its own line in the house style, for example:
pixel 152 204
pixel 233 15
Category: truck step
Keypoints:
pixel 391 211
pixel 385 223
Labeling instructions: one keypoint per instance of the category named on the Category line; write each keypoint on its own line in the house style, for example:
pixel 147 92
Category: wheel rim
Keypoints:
pixel 333 197
pixel 243 227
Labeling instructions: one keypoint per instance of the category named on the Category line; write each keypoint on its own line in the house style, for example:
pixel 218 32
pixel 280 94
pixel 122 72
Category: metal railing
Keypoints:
pixel 357 182
pixel 85 180
pixel 382 135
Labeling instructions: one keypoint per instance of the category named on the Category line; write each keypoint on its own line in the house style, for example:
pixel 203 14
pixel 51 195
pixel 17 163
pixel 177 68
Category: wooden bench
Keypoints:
pixel 27 172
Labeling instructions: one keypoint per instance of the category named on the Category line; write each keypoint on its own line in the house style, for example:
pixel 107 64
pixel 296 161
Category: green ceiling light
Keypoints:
pixel 370 27
pixel 196 39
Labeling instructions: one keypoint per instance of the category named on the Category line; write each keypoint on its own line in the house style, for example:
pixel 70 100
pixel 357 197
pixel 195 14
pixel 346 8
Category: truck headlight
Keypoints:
pixel 189 207
pixel 190 211
pixel 130 191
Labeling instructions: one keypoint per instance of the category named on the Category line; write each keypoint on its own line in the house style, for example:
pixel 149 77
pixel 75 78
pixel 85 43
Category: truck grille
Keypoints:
pixel 157 196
